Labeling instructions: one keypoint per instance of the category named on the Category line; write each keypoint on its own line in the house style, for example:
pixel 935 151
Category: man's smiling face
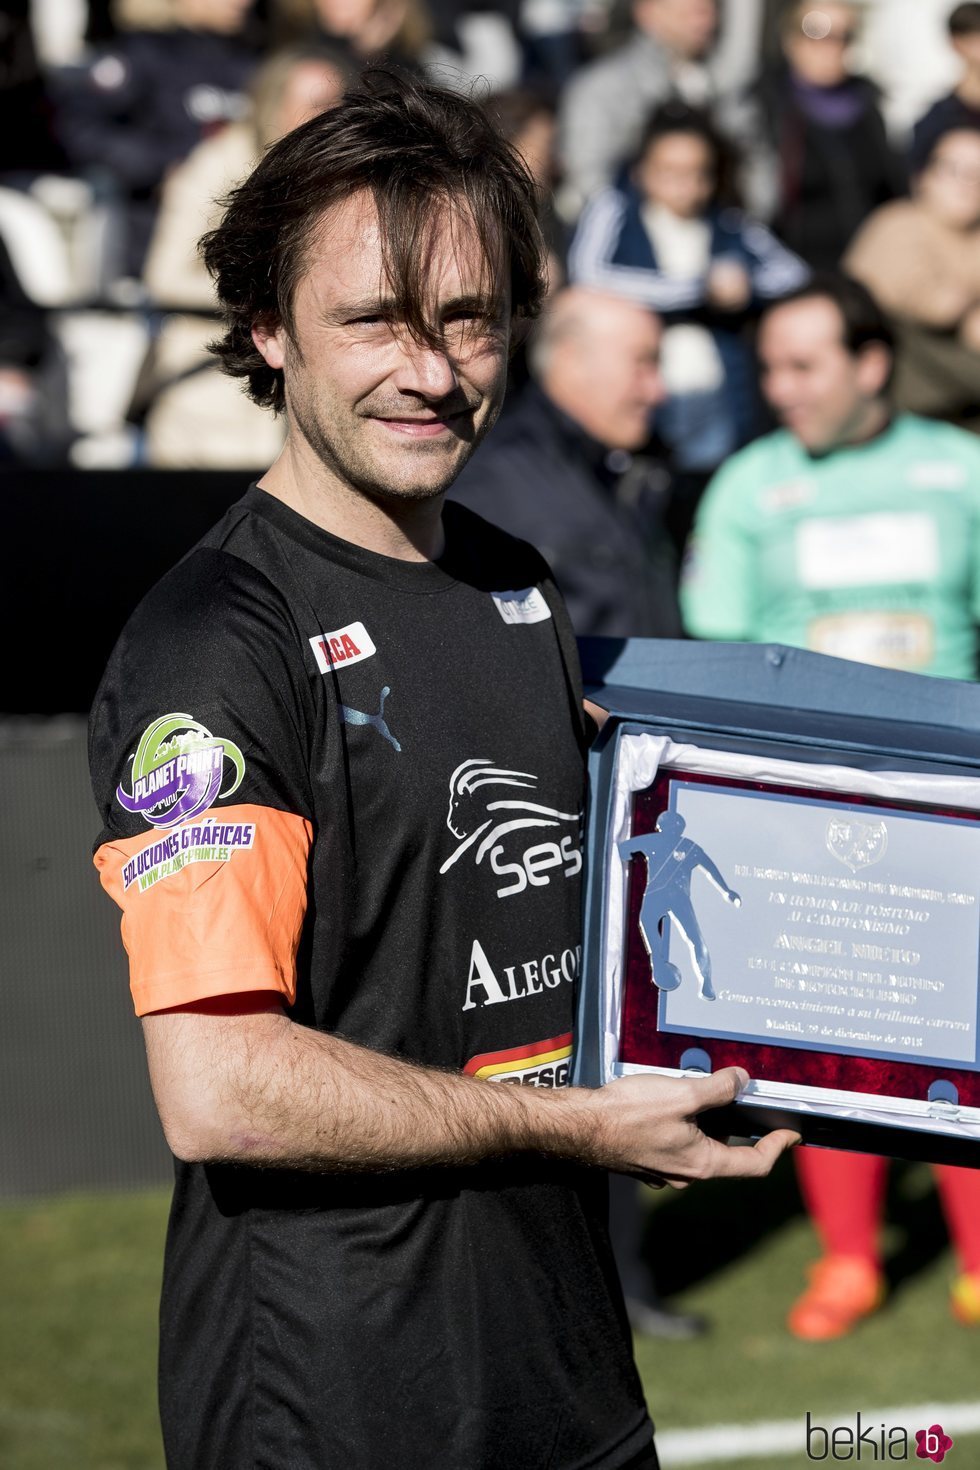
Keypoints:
pixel 387 415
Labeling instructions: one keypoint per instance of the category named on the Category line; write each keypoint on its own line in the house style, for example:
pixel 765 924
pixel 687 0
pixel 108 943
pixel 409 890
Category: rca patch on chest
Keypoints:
pixel 345 646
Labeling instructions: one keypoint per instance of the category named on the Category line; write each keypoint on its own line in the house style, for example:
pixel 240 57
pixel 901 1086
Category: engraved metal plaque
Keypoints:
pixel 819 925
pixel 784 875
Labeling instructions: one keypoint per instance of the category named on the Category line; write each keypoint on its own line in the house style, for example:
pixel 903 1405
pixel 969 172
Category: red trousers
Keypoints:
pixel 845 1192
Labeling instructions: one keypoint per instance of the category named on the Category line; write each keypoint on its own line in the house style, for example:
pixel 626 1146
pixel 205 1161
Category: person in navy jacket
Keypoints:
pixel 663 238
pixel 568 466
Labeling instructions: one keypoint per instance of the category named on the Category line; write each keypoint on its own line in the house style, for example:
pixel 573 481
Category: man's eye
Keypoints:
pixel 370 319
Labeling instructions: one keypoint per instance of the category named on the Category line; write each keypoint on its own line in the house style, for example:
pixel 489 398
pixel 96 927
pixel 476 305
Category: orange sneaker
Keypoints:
pixel 964 1299
pixel 842 1290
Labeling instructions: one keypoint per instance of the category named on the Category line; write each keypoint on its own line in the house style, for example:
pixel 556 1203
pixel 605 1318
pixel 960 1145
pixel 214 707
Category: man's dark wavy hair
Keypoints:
pixel 417 148
pixel 862 319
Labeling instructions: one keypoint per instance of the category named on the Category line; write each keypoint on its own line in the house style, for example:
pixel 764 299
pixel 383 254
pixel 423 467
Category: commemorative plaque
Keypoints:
pixel 784 874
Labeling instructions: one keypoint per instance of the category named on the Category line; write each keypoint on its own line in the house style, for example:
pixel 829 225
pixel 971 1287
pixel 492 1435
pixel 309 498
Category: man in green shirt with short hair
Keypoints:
pixel 852 530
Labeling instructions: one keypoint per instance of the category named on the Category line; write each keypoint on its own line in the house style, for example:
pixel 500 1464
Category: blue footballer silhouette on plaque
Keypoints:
pixel 672 861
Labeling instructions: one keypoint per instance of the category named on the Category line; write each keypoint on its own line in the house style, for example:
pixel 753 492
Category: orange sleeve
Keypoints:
pixel 214 906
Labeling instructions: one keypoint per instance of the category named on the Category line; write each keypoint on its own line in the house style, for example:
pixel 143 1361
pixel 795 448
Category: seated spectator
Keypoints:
pixel 606 105
pixel 526 118
pixel 824 123
pixel 456 41
pixel 27 141
pixel 142 105
pixel 663 239
pixel 194 414
pixel 961 108
pixel 475 40
pixel 35 430
pixel 564 469
pixel 397 31
pixel 921 258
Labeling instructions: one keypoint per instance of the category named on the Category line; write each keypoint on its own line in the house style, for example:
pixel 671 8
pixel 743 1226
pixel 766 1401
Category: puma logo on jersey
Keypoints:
pixel 344 646
pixel 486 805
pixel 378 722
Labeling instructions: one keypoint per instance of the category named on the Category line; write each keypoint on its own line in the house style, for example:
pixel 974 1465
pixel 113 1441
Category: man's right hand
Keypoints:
pixel 648 1126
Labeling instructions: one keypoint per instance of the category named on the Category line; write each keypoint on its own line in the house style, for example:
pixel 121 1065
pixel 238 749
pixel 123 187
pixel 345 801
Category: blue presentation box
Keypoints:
pixel 783 873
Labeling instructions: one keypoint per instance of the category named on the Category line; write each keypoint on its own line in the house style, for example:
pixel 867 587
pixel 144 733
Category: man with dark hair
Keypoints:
pixel 828 534
pixel 961 108
pixel 339 756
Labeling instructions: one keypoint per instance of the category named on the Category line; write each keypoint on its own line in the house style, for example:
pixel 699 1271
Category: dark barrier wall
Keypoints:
pixel 81 550
pixel 75 1103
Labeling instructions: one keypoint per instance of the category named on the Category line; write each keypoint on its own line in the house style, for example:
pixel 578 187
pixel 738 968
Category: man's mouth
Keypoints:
pixel 417 428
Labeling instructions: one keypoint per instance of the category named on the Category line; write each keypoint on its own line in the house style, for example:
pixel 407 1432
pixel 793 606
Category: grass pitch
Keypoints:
pixel 81 1281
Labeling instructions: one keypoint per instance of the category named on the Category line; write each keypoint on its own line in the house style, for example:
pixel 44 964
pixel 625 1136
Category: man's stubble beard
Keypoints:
pixel 340 455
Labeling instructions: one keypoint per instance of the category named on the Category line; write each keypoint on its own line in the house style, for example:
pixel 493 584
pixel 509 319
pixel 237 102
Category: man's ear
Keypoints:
pixel 270 339
pixel 874 368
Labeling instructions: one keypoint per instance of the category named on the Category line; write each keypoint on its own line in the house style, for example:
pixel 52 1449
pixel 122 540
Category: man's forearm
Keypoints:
pixel 269 1092
pixel 258 1089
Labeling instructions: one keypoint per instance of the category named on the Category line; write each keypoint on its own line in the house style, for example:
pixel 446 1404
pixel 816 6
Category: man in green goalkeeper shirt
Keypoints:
pixel 852 530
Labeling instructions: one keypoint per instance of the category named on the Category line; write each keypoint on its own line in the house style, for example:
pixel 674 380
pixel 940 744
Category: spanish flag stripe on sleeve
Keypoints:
pixel 492 1063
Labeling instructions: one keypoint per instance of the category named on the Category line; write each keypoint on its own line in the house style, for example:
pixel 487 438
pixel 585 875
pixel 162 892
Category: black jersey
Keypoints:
pixel 358 782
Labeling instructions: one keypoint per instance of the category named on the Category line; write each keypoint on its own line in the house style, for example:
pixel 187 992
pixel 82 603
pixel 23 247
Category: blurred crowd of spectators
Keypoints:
pixel 697 158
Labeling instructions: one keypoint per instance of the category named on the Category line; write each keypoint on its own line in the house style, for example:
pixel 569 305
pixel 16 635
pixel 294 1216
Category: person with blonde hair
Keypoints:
pixel 141 106
pixel 194 416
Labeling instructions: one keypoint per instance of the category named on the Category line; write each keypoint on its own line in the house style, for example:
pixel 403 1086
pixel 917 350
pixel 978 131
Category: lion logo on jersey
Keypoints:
pixel 487 803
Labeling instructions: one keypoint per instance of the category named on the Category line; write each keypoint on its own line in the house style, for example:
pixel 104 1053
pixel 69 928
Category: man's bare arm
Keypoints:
pixel 250 1086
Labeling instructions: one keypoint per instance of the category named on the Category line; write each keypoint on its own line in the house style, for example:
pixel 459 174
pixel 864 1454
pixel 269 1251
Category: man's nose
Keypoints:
pixel 426 370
